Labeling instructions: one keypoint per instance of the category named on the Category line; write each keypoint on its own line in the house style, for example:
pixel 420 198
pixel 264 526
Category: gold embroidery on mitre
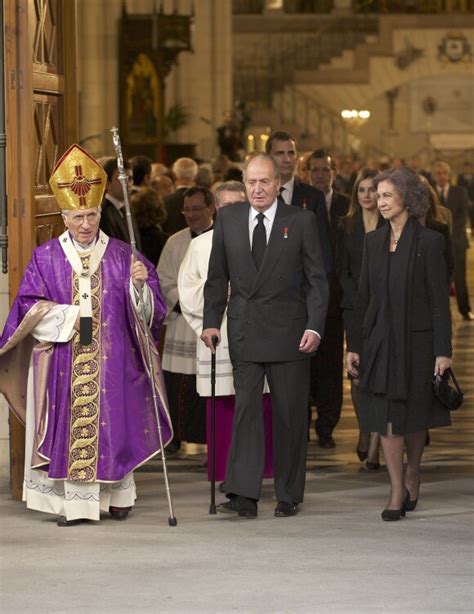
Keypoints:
pixel 85 392
pixel 78 180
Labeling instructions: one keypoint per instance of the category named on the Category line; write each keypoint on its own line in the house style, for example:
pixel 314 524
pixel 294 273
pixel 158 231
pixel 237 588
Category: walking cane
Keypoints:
pixel 141 308
pixel 212 508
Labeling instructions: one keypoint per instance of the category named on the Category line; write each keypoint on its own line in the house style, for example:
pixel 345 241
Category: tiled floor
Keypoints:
pixel 335 556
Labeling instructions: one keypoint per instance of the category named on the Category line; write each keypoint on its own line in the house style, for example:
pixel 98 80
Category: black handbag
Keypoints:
pixel 450 397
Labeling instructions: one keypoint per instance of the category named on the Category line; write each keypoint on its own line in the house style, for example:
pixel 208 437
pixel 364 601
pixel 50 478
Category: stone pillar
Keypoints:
pixel 202 81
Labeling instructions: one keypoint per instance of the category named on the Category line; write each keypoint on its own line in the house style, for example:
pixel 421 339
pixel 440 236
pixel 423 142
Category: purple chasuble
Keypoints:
pixel 100 422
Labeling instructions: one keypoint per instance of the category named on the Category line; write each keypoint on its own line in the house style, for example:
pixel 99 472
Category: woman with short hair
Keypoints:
pixel 402 334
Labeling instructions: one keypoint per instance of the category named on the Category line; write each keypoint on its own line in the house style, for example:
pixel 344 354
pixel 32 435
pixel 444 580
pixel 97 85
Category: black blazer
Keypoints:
pixel 175 220
pixel 449 250
pixel 153 240
pixel 307 197
pixel 114 224
pixel 458 204
pixel 338 209
pixel 430 305
pixel 269 309
pixel 350 249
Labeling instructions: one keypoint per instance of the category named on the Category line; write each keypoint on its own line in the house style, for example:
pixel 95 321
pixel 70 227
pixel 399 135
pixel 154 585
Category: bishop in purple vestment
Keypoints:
pixel 72 363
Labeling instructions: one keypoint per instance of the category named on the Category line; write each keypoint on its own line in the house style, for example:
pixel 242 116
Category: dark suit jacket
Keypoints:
pixel 468 184
pixel 114 224
pixel 338 209
pixel 429 289
pixel 269 309
pixel 449 251
pixel 458 204
pixel 307 197
pixel 174 204
pixel 153 240
pixel 350 249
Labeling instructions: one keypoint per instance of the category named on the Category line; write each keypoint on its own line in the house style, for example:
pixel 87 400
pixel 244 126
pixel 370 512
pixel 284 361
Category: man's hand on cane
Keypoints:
pixel 207 335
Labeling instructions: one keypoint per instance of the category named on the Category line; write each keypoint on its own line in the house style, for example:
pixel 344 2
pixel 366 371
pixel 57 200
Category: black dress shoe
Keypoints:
pixel 326 442
pixel 173 447
pixel 372 466
pixel 285 509
pixel 412 503
pixel 243 506
pixel 62 522
pixel 391 515
pixel 119 513
pixel 468 317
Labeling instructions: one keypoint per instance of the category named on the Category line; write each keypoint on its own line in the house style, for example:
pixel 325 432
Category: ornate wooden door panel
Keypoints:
pixel 53 69
pixel 41 121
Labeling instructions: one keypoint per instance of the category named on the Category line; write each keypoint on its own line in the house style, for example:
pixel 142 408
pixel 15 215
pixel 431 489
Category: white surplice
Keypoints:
pixel 179 352
pixel 191 280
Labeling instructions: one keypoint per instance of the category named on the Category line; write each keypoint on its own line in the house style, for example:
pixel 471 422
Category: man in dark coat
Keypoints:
pixel 282 147
pixel 270 254
pixel 185 171
pixel 112 219
pixel 455 198
pixel 327 365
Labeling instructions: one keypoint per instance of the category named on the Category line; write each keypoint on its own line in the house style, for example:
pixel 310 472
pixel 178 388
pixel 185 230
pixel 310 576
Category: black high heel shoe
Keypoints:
pixel 391 515
pixel 372 466
pixel 411 505
pixel 362 454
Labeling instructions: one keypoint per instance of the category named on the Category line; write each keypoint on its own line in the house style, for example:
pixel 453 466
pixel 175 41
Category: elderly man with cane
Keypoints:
pixel 270 253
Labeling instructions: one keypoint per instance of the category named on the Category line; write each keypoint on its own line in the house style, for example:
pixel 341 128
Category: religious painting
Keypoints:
pixel 143 100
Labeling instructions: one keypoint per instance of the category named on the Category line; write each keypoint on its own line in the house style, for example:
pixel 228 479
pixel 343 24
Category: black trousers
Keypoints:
pixel 326 376
pixel 187 408
pixel 289 387
pixel 462 295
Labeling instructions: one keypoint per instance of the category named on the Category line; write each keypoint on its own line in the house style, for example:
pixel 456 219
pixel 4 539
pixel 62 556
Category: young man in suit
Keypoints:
pixel 327 365
pixel 456 199
pixel 112 219
pixel 282 147
pixel 185 170
pixel 141 170
pixel 277 302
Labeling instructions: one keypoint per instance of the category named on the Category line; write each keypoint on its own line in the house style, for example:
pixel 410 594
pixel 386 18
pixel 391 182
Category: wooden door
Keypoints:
pixel 41 122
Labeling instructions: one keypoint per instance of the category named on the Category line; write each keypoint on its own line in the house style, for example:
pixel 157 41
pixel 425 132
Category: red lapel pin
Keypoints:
pixel 285 233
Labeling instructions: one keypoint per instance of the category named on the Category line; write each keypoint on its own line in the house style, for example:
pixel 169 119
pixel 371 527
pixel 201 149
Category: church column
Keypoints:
pixel 203 81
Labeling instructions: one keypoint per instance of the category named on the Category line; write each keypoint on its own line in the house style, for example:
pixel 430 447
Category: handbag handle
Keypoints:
pixel 455 381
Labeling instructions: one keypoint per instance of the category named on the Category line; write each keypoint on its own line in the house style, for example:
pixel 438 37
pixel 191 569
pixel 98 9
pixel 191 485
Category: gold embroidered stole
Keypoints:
pixel 85 390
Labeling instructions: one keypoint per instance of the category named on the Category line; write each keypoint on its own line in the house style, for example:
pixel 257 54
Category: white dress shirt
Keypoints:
pixel 268 220
pixel 328 198
pixel 118 204
pixel 287 192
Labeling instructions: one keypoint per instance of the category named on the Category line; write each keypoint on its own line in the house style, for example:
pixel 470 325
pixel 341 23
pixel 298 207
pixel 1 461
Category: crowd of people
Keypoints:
pixel 271 267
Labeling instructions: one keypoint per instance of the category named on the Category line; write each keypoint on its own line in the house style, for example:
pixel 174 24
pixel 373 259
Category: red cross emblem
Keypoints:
pixel 80 185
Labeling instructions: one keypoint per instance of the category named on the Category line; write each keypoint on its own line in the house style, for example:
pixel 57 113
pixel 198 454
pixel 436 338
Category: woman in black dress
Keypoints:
pixel 150 213
pixel 363 216
pixel 402 335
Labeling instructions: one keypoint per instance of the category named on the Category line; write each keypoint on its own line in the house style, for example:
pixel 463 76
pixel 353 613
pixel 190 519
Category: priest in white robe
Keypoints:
pixel 187 408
